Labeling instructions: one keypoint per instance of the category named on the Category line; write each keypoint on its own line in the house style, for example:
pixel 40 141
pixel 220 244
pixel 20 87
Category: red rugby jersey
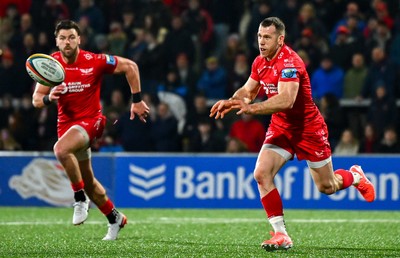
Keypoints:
pixel 287 66
pixel 83 78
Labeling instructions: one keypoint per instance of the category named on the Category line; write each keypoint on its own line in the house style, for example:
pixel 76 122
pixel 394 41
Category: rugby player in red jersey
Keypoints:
pixel 80 120
pixel 296 127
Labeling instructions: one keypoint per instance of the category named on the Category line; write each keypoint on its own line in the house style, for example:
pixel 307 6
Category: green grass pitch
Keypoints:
pixel 48 232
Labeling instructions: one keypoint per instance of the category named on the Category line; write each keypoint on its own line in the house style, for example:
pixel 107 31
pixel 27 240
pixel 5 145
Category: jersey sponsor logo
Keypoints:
pixel 77 86
pixel 289 73
pixel 86 71
pixel 110 60
pixel 88 56
pixel 269 88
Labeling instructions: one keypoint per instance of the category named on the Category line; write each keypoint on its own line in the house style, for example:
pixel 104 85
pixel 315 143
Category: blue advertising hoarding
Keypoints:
pixel 37 179
pixel 225 181
pixel 190 181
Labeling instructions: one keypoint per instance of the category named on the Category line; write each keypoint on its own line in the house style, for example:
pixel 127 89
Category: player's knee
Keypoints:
pixel 261 177
pixel 59 151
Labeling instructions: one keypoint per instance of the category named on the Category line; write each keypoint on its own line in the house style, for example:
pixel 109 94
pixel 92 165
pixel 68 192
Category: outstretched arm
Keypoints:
pixel 246 94
pixel 131 71
pixel 284 100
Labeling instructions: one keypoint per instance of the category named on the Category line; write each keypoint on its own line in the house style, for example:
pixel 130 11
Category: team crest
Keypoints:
pixel 289 73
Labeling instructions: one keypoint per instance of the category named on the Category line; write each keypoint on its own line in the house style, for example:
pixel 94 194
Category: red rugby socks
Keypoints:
pixel 347 177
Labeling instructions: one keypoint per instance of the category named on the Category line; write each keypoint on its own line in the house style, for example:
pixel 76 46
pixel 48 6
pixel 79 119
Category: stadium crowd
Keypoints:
pixel 192 52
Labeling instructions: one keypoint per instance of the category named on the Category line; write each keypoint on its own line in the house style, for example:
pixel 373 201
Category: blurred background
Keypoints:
pixel 192 52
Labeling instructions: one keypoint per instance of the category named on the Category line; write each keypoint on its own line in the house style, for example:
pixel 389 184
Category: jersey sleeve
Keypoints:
pixel 291 70
pixel 107 63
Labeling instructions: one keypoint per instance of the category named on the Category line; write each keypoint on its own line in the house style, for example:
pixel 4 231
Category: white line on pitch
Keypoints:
pixel 176 220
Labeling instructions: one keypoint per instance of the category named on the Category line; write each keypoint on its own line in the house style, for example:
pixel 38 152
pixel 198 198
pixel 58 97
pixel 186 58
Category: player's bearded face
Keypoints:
pixel 68 42
pixel 269 41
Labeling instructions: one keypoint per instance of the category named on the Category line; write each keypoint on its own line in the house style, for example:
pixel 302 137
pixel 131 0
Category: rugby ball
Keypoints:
pixel 45 69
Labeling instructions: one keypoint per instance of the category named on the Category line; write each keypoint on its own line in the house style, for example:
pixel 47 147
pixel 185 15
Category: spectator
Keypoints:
pixel 136 47
pixel 238 75
pixel 343 48
pixel 369 141
pixel 10 82
pixel 354 77
pixel 117 39
pixel 307 18
pixel 164 130
pixel 307 43
pixel 328 78
pixel 198 110
pixel 7 33
pixel 233 47
pixel 43 44
pixel 187 76
pixel 234 145
pixel 348 144
pixel 333 116
pixel 260 10
pixel 380 72
pixel 178 41
pixel 152 64
pixel 250 131
pixel 383 15
pixel 389 142
pixel 129 23
pixel 352 10
pixel 213 81
pixel 172 84
pixel 6 109
pixel 87 8
pixel 160 18
pixel 114 110
pixel 27 114
pixel 383 110
pixel 200 25
pixel 381 38
pixel 47 128
pixel 46 14
pixel 155 27
pixel 205 139
pixel 134 135
pixel 288 11
pixel 177 107
pixel 7 141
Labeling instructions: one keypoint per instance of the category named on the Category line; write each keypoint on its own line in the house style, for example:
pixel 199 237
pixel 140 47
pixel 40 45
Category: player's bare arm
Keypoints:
pixel 247 93
pixel 42 92
pixel 131 71
pixel 284 100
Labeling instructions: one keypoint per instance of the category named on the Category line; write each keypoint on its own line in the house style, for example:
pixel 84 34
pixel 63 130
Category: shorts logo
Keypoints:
pixel 289 73
pixel 110 60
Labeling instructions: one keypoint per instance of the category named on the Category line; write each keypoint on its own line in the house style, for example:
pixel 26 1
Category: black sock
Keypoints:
pixel 112 216
pixel 80 196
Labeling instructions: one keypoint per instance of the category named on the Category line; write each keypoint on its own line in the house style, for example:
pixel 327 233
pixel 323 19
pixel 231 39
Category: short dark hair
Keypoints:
pixel 278 23
pixel 67 25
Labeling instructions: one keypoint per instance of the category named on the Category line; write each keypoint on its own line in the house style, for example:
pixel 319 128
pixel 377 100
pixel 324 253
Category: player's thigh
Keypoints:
pixel 269 162
pixel 72 140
